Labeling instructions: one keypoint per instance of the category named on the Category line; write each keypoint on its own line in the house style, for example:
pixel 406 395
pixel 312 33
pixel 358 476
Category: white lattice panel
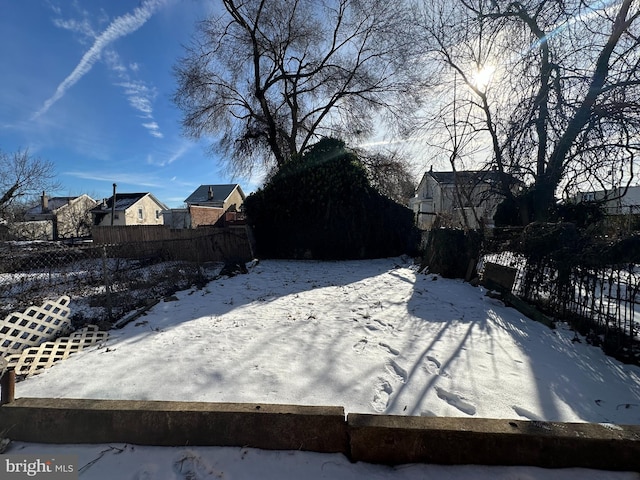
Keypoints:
pixel 35 359
pixel 34 326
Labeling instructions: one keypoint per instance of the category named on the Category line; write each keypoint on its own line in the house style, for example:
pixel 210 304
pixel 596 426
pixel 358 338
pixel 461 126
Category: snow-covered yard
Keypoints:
pixel 373 336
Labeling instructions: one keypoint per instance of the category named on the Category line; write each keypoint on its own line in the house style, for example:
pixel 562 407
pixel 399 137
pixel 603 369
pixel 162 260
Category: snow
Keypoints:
pixel 373 336
pixel 119 461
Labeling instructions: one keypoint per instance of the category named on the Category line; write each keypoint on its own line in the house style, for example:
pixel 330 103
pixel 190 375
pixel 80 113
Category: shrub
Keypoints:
pixel 321 205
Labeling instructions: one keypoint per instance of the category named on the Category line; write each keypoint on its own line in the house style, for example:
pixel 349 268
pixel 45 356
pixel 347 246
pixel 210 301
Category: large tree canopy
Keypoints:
pixel 553 87
pixel 268 78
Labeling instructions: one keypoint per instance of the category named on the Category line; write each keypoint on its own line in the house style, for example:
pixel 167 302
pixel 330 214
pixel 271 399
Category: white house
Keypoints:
pixel 617 201
pixel 129 209
pixel 56 218
pixel 458 199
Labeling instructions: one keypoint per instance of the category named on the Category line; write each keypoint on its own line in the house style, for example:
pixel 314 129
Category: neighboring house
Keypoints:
pixel 129 209
pixel 459 199
pixel 56 218
pixel 4 230
pixel 177 218
pixel 207 205
pixel 616 201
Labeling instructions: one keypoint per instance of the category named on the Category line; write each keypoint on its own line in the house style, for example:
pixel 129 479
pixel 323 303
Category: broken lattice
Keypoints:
pixel 20 330
pixel 35 359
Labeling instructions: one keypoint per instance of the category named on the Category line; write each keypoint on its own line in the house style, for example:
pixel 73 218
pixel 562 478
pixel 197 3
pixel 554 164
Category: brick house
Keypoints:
pixel 207 205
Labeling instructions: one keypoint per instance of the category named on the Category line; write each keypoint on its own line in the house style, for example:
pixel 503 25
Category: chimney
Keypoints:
pixel 210 193
pixel 45 202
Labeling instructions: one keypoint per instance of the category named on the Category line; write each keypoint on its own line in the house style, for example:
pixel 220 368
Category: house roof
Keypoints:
pixel 220 193
pixel 469 177
pixel 54 203
pixel 125 201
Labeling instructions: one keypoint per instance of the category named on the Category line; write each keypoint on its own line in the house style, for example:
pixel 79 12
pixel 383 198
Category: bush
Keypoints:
pixel 320 205
pixel 449 251
pixel 557 240
pixel 581 214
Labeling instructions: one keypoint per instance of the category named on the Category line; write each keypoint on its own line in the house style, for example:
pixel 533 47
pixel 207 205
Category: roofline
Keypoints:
pixel 98 208
pixel 235 185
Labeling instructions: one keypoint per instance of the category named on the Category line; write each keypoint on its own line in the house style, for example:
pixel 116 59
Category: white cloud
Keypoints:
pixel 120 27
pixel 182 149
pixel 154 129
pixel 142 180
pixel 138 94
pixel 179 153
pixel 83 27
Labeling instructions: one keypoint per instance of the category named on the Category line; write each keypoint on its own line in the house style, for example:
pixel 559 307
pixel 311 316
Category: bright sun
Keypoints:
pixel 483 76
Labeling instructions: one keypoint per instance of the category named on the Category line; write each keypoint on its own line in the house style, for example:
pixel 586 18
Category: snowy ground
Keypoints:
pixel 372 336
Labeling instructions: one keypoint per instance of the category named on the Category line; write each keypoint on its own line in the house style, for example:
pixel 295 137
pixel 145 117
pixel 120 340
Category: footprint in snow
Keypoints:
pixel 432 366
pixel 396 371
pixel 360 345
pixel 456 400
pixel 381 324
pixel 388 348
pixel 523 412
pixel 434 360
pixel 383 391
pixel 145 474
pixel 190 466
pixel 427 413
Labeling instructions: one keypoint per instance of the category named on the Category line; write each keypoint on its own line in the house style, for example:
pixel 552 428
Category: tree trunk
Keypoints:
pixel 543 199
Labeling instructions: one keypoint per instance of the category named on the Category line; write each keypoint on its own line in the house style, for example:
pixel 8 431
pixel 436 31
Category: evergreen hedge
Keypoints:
pixel 321 205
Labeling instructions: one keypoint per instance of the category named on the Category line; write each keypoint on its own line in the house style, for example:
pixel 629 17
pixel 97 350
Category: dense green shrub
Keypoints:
pixel 321 205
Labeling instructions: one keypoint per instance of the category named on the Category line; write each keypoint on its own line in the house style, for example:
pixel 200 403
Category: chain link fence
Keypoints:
pixel 104 282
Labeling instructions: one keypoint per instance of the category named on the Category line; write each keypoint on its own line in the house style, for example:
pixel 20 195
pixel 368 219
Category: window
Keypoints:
pixel 157 214
pixel 116 216
pixel 140 214
pixel 588 197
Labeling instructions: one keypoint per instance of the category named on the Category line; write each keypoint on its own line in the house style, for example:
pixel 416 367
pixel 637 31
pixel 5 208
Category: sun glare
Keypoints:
pixel 483 76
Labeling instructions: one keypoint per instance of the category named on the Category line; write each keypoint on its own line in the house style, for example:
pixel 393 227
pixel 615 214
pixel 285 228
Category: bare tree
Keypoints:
pixel 22 176
pixel 74 219
pixel 267 79
pixel 562 109
pixel 390 173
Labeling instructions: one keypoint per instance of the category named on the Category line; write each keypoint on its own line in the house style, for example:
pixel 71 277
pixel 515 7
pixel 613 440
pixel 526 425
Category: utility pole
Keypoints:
pixel 113 204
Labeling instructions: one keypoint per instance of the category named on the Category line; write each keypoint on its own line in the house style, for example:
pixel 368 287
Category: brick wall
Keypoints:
pixel 204 215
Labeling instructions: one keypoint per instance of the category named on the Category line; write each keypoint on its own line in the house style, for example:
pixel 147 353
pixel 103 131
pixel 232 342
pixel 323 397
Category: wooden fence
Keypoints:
pixel 204 244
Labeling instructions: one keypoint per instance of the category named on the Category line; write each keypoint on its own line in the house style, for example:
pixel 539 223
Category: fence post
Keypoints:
pixel 8 385
pixel 107 284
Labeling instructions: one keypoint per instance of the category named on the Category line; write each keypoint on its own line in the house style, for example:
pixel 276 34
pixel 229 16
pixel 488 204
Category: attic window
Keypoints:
pixel 140 214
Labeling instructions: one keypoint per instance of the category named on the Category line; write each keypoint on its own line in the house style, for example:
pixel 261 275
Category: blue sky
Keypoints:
pixel 88 86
